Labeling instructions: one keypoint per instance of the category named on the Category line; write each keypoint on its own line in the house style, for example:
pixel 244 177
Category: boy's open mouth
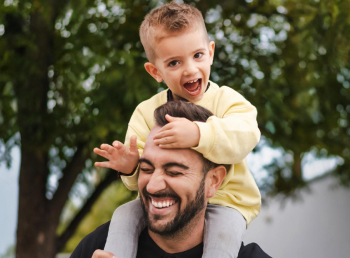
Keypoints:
pixel 193 87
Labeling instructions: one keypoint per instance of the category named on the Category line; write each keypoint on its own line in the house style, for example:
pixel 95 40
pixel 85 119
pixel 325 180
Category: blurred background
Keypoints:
pixel 71 73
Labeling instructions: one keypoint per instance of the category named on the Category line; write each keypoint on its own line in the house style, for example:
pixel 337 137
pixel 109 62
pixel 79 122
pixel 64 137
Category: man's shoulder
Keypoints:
pixel 95 240
pixel 252 250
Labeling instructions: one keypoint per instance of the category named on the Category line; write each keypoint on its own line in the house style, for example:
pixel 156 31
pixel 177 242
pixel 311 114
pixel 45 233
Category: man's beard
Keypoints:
pixel 181 219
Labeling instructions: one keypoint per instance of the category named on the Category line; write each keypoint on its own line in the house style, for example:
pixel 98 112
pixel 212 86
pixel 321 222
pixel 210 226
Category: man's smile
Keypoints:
pixel 162 203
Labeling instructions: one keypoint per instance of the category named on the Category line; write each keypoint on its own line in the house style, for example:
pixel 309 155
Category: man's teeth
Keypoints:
pixel 163 204
pixel 192 81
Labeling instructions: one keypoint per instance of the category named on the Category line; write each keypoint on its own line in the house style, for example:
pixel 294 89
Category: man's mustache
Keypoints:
pixel 161 194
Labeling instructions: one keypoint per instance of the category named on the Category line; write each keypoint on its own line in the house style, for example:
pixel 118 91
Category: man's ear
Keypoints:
pixel 153 71
pixel 211 51
pixel 214 179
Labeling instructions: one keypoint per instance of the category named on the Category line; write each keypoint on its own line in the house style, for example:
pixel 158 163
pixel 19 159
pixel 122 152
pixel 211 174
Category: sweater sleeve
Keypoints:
pixel 229 135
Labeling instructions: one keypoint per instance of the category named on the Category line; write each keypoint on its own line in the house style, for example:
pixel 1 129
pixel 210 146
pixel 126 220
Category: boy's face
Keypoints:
pixel 183 61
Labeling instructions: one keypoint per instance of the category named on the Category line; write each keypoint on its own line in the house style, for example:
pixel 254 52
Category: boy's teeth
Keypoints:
pixel 193 81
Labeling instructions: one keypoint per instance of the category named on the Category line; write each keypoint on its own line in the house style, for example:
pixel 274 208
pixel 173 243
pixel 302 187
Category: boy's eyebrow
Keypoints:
pixel 177 57
pixel 200 49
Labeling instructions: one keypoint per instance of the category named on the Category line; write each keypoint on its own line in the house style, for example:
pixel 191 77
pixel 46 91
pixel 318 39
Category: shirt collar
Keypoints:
pixel 148 248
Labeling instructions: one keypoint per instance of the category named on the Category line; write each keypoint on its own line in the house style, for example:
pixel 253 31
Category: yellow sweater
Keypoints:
pixel 225 138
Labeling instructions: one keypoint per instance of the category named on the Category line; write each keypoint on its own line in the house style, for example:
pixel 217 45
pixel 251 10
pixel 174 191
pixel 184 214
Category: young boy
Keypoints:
pixel 179 52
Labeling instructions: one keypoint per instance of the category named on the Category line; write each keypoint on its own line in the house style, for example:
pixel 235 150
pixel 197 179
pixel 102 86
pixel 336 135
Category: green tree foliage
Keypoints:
pixel 291 60
pixel 115 195
pixel 71 73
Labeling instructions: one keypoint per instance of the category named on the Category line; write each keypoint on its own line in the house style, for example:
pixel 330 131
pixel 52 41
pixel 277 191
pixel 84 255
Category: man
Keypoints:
pixel 174 185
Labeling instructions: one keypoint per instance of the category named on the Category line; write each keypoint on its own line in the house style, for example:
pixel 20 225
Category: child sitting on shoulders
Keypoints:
pixel 177 46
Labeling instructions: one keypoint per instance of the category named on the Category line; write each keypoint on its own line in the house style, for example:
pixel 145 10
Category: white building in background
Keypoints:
pixel 317 225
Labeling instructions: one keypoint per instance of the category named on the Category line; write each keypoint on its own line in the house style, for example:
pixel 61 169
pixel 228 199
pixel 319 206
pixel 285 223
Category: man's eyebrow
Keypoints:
pixel 175 164
pixel 146 161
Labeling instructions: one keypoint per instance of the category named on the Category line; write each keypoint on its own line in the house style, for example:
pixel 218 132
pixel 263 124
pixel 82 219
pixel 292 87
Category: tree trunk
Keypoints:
pixel 35 230
pixel 297 170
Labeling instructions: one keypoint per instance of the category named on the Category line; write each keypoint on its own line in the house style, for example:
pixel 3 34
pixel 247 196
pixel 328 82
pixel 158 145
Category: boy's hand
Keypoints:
pixel 179 133
pixel 121 158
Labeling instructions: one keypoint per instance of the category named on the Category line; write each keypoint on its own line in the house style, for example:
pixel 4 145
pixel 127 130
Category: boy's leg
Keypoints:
pixel 224 231
pixel 125 228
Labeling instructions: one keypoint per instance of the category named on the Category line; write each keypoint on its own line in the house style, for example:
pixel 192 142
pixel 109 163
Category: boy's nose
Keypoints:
pixel 190 69
pixel 156 183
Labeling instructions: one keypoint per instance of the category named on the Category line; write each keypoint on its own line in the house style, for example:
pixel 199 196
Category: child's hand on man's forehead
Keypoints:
pixel 179 133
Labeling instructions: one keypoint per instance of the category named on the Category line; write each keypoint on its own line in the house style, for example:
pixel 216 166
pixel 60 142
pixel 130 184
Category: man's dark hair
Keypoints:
pixel 189 111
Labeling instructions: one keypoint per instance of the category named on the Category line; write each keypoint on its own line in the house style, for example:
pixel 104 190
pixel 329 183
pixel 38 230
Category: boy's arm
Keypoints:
pixel 139 127
pixel 229 139
pixel 130 181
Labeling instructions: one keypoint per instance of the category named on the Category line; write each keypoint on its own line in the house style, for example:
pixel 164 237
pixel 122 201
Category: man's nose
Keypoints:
pixel 156 182
pixel 190 68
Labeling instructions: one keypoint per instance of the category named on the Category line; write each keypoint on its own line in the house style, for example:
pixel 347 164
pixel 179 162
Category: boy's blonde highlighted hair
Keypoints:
pixel 171 18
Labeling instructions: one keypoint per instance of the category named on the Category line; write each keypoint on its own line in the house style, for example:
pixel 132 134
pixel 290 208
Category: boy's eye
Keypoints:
pixel 198 55
pixel 173 63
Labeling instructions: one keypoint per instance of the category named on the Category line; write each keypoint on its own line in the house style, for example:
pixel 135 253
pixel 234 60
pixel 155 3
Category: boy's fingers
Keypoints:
pixel 165 140
pixel 104 164
pixel 170 118
pixel 166 127
pixel 107 147
pixel 169 146
pixel 116 144
pixel 96 150
pixel 163 134
pixel 101 152
pixel 133 144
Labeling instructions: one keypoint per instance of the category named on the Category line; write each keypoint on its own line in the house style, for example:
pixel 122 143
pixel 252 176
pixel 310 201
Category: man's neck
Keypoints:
pixel 190 236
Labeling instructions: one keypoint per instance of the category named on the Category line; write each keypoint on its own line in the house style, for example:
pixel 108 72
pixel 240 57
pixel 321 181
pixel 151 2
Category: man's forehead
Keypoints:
pixel 153 132
pixel 150 146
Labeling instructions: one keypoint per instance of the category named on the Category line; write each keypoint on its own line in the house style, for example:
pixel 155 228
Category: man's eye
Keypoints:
pixel 146 170
pixel 173 63
pixel 198 55
pixel 172 173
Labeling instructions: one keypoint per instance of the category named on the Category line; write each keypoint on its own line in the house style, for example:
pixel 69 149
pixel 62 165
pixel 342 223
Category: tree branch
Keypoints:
pixel 66 235
pixel 70 173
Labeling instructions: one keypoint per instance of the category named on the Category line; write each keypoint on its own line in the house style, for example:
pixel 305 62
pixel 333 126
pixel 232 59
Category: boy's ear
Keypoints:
pixel 214 179
pixel 153 71
pixel 211 51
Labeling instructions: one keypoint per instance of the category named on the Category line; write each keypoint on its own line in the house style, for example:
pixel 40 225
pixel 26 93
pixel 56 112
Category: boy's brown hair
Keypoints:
pixel 172 17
